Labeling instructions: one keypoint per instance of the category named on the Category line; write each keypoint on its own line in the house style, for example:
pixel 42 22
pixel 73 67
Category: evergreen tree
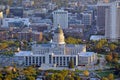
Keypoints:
pixel 71 63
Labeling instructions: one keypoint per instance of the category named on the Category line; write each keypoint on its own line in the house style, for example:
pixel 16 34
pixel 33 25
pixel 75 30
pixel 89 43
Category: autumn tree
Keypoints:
pixel 115 55
pixel 112 47
pixel 30 78
pixel 111 77
pixel 98 46
pixel 69 78
pixel 71 40
pixel 115 60
pixel 50 77
pixel 64 73
pixel 108 58
pixel 77 78
pixel 86 73
pixel 104 78
pixel 58 76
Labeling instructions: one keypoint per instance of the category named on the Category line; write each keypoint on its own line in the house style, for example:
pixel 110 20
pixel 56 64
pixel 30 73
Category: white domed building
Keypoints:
pixel 57 52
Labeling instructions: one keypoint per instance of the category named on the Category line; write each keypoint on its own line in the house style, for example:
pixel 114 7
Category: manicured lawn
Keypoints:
pixel 104 73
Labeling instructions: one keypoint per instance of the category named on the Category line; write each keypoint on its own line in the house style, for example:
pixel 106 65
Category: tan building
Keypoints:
pixel 28 35
pixel 3 35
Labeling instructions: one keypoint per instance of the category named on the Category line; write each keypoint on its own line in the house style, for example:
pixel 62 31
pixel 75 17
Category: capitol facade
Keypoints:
pixel 56 52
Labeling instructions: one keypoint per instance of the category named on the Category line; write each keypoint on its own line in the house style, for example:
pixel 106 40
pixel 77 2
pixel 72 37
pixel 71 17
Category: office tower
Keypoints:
pixel 101 7
pixel 87 19
pixel 60 17
pixel 112 26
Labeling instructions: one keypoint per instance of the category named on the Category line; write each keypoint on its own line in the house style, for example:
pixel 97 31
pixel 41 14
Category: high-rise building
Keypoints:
pixel 101 7
pixel 60 17
pixel 87 19
pixel 112 26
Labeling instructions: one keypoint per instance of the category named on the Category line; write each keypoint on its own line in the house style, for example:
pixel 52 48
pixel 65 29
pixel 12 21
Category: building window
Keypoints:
pixel 26 60
pixel 29 59
pixel 50 59
pixel 60 61
pixel 40 60
pixel 33 60
pixel 43 59
pixel 57 60
pixel 36 59
pixel 53 60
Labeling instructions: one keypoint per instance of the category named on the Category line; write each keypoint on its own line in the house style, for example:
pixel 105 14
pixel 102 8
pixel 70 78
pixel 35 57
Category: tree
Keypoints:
pixel 115 55
pixel 108 58
pixel 99 46
pixel 111 77
pixel 58 76
pixel 3 46
pixel 69 78
pixel 1 76
pixel 50 77
pixel 71 63
pixel 117 69
pixel 30 78
pixel 77 78
pixel 104 78
pixel 115 60
pixel 86 73
pixel 112 47
pixel 64 73
pixel 71 40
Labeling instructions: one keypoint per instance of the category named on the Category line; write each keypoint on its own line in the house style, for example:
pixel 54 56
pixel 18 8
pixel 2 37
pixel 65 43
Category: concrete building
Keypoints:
pixel 57 52
pixel 4 35
pixel 86 19
pixel 60 17
pixel 15 22
pixel 112 29
pixel 16 11
pixel 27 34
pixel 101 7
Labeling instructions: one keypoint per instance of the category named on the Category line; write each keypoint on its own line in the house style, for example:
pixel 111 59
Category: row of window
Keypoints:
pixel 34 60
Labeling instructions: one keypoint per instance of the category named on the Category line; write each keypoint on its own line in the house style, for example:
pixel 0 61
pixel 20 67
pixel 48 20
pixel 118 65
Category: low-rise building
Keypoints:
pixel 28 35
pixel 57 52
pixel 15 22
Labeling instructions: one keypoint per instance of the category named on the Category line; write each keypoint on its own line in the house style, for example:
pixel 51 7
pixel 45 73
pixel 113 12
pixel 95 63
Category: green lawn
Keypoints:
pixel 104 73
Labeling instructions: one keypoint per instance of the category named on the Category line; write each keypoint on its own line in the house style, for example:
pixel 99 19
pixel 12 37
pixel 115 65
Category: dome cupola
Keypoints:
pixel 59 36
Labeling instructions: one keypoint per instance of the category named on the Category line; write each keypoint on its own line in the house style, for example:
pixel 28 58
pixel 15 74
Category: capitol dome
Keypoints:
pixel 58 36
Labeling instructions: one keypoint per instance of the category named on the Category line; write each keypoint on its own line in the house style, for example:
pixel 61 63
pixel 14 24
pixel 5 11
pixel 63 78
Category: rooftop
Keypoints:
pixel 24 53
pixel 86 54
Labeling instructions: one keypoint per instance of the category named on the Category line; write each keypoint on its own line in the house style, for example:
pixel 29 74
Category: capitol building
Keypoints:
pixel 56 52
